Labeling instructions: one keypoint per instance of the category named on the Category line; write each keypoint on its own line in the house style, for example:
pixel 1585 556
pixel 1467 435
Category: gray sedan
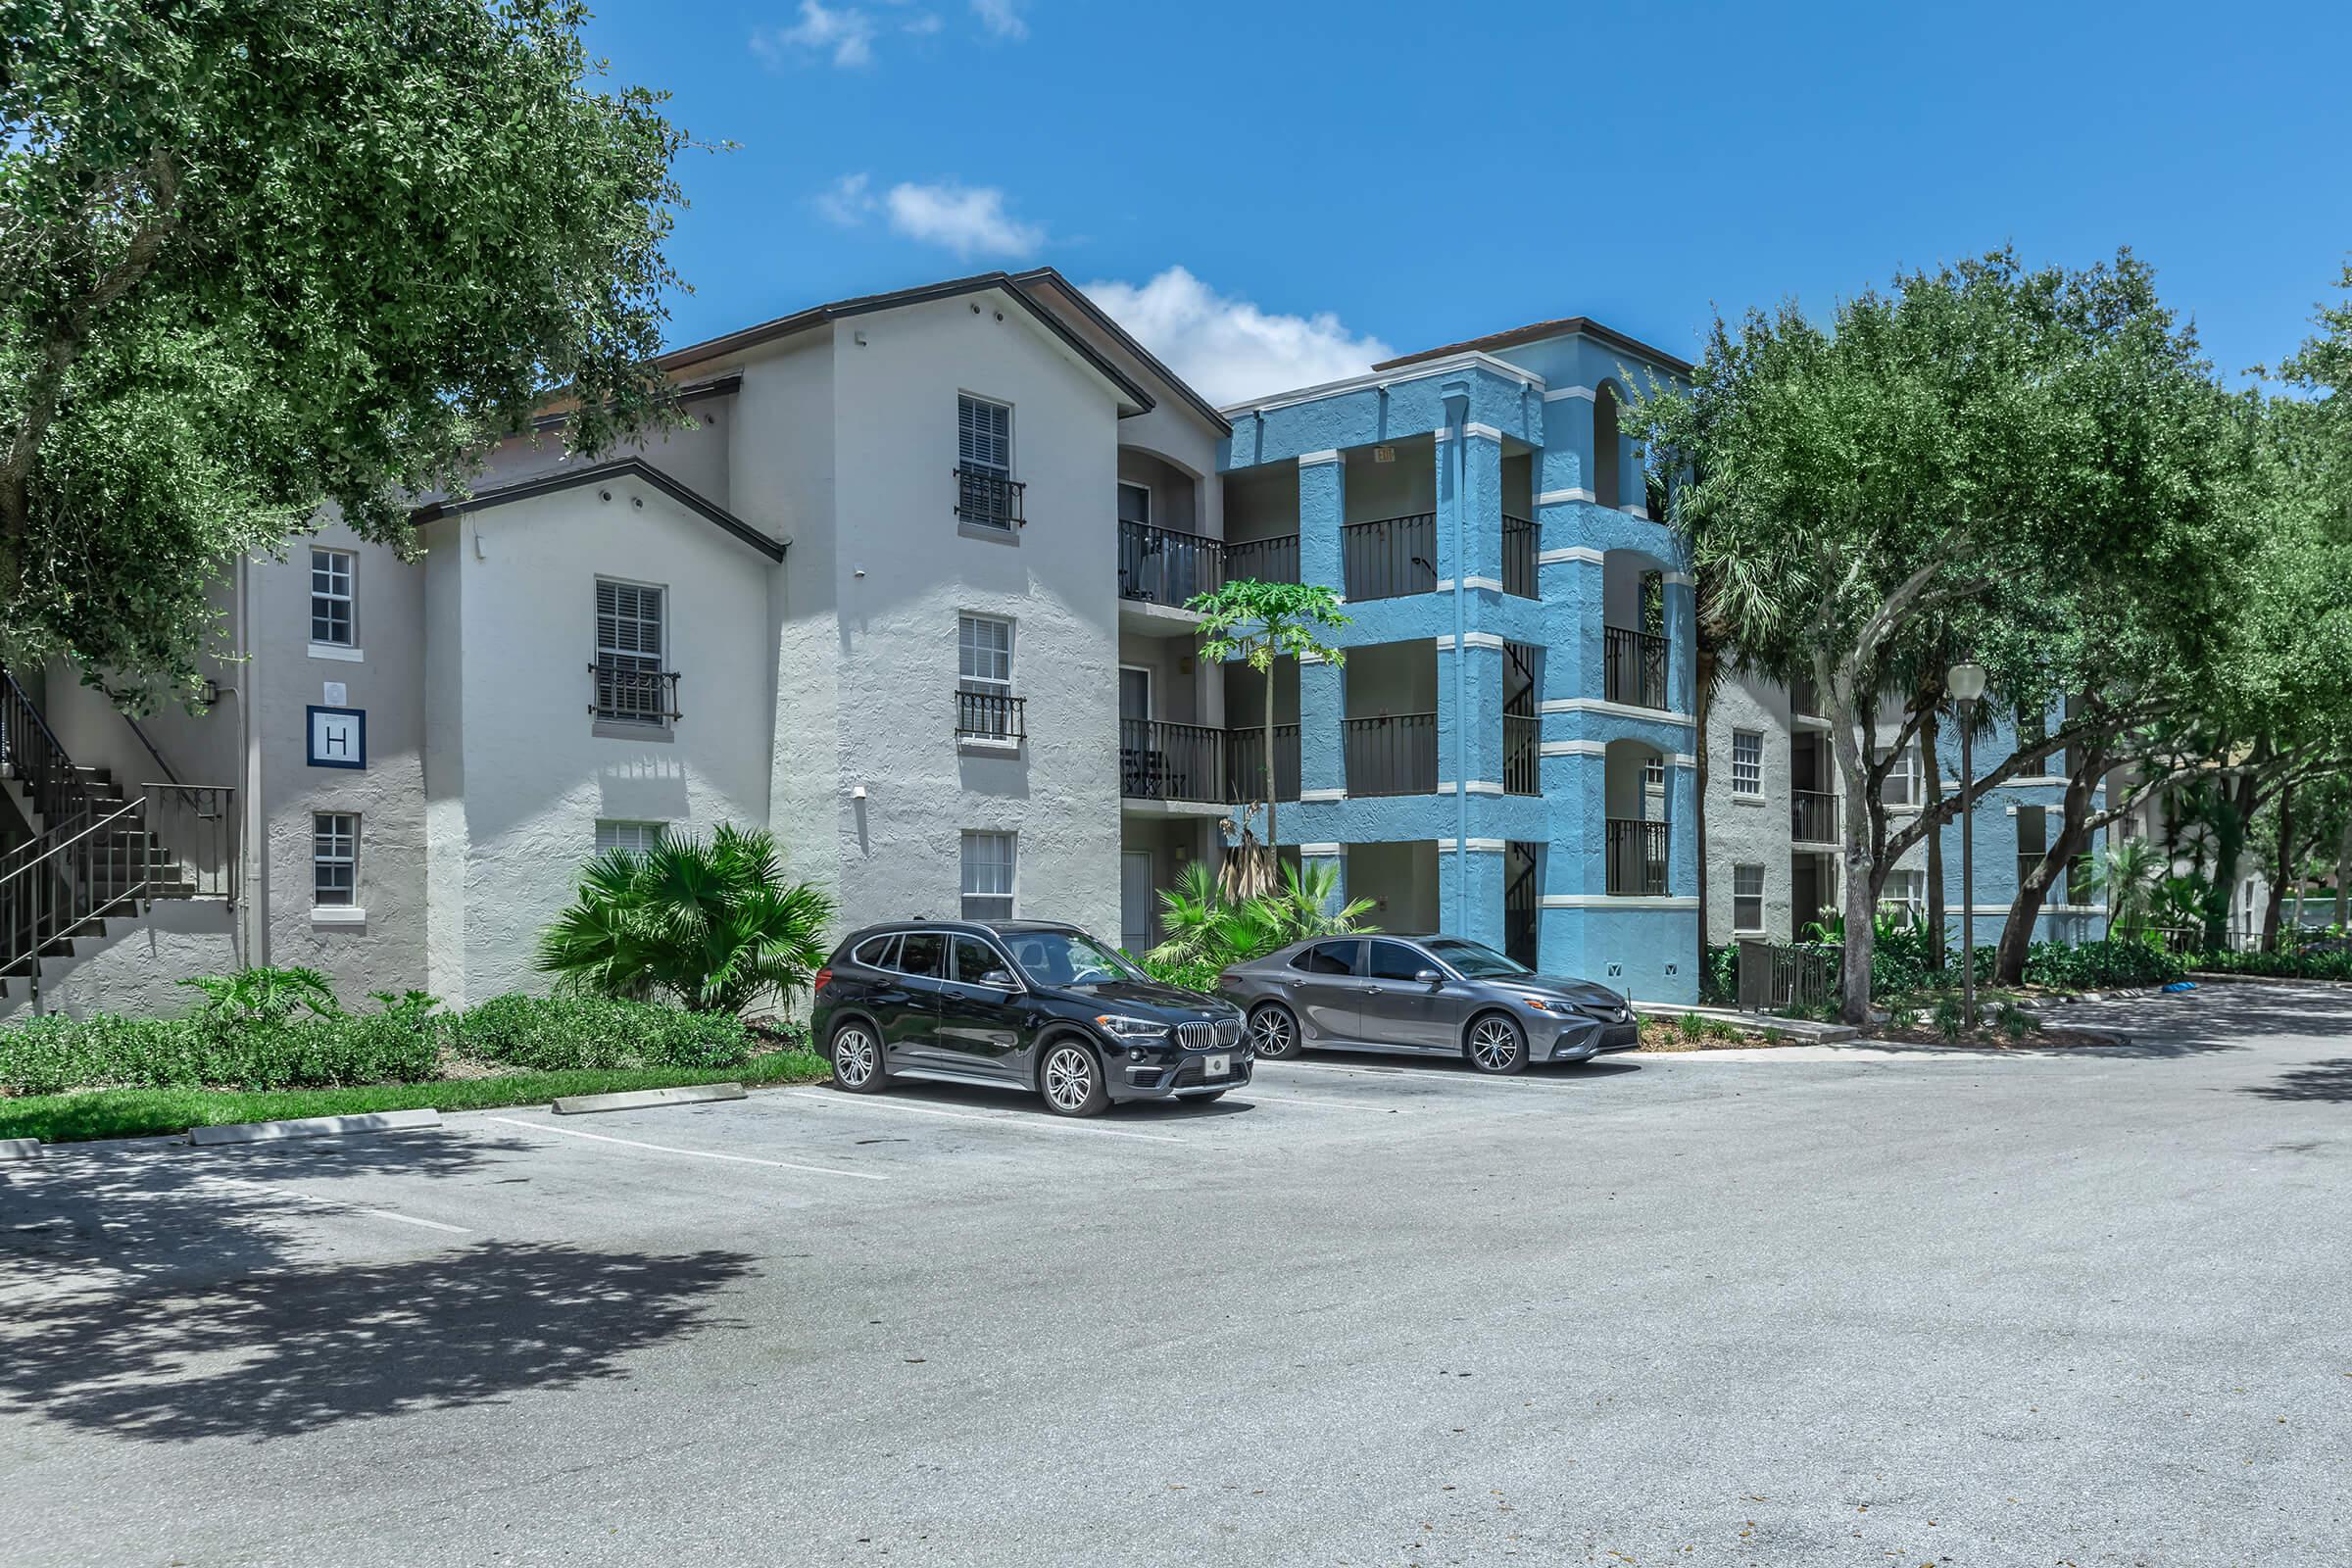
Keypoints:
pixel 1424 994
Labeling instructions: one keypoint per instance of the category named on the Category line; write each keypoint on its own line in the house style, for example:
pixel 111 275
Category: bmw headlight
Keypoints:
pixel 1140 1031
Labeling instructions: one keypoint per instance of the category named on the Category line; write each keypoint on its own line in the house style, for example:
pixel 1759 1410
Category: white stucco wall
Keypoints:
pixel 1748 830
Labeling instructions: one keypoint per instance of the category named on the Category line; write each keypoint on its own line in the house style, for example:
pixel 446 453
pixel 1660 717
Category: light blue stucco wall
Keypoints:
pixel 1993 825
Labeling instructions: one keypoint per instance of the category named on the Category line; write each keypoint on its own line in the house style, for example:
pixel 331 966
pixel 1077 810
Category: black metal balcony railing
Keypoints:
pixel 1813 817
pixel 990 716
pixel 1803 698
pixel 1163 566
pixel 1164 762
pixel 1521 755
pixel 633 694
pixel 1245 764
pixel 1637 853
pixel 988 499
pixel 1519 550
pixel 1274 559
pixel 1635 667
pixel 1396 754
pixel 1389 557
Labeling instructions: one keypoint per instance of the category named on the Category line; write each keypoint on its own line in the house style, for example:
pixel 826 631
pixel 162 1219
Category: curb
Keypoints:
pixel 20 1147
pixel 640 1099
pixel 255 1132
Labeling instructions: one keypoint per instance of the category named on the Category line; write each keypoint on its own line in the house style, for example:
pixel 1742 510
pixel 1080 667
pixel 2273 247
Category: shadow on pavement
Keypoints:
pixel 299 1348
pixel 2318 1081
pixel 157 1211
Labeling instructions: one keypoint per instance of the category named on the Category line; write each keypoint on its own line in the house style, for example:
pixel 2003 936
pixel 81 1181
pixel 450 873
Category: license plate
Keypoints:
pixel 1215 1066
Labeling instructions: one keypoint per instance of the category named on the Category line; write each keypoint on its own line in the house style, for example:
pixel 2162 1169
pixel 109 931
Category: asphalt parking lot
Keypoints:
pixel 1809 1307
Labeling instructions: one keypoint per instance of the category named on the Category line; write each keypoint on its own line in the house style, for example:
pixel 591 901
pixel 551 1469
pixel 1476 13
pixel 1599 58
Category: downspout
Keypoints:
pixel 1458 419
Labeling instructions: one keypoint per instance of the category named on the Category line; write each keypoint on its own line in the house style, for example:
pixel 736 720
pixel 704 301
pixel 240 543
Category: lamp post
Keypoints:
pixel 1966 682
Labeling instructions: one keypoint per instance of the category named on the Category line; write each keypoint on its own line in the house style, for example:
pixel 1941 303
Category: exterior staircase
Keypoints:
pixel 87 850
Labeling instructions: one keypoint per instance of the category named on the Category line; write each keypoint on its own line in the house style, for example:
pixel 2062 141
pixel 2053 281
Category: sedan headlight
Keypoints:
pixel 1544 1004
pixel 1121 1027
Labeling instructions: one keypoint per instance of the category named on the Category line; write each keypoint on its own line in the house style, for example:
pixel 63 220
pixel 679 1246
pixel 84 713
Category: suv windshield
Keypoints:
pixel 1473 963
pixel 1066 959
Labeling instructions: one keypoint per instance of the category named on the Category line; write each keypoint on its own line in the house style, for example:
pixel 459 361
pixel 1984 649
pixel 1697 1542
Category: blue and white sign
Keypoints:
pixel 338 737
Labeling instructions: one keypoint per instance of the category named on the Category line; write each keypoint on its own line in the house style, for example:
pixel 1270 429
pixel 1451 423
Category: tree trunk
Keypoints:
pixel 1838 697
pixel 1273 852
pixel 1702 701
pixel 2236 800
pixel 1928 740
pixel 2282 869
pixel 2072 839
pixel 2343 877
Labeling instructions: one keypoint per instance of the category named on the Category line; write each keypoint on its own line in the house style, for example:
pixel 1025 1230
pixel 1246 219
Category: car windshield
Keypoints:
pixel 1066 959
pixel 1469 960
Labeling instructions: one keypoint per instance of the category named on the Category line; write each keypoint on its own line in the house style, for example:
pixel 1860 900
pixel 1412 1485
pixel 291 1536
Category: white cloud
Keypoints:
pixel 1229 348
pixel 923 23
pixel 1002 18
pixel 848 33
pixel 969 219
pixel 847 201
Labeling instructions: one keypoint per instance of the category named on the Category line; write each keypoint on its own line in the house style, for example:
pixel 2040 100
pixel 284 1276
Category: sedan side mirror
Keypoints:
pixel 1430 977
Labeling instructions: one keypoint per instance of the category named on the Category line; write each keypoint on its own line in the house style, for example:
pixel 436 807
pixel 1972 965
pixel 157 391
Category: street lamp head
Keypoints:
pixel 1965 680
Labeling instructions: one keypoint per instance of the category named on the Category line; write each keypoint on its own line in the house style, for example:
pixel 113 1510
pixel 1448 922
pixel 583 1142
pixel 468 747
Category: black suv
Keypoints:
pixel 1029 1003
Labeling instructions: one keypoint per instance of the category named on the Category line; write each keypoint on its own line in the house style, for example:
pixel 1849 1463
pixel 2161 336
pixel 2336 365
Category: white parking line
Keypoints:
pixel 329 1202
pixel 1253 1097
pixel 1023 1123
pixel 692 1154
pixel 1435 1078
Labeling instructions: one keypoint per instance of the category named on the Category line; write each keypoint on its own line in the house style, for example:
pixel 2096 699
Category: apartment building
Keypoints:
pixel 1775 810
pixel 886 595
pixel 1506 751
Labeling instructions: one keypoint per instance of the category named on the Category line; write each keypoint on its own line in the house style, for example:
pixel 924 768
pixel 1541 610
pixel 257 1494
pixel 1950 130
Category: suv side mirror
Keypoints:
pixel 1001 979
pixel 1430 977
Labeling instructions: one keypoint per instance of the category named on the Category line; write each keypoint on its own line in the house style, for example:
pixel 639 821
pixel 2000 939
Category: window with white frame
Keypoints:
pixel 984 703
pixel 1748 762
pixel 1906 892
pixel 1902 785
pixel 990 861
pixel 1747 898
pixel 635 837
pixel 1653 774
pixel 985 491
pixel 331 601
pixel 631 686
pixel 334 857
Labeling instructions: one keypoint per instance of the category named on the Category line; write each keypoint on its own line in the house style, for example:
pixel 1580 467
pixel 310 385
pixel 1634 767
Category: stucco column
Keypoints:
pixel 1322 702
pixel 1470 893
pixel 1633 489
pixel 1681 828
pixel 1682 643
pixel 1322 506
pixel 1470 686
pixel 1481 534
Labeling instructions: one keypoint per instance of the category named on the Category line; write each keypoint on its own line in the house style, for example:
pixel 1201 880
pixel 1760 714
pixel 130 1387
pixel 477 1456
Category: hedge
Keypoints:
pixel 2099 966
pixel 52 1055
pixel 2282 966
pixel 554 1034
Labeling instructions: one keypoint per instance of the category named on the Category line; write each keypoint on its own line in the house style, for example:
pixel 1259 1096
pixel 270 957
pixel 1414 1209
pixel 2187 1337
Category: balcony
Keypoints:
pixel 1274 559
pixel 990 716
pixel 1395 754
pixel 1521 755
pixel 1389 557
pixel 1804 700
pixel 1163 566
pixel 1637 859
pixel 986 498
pixel 631 692
pixel 1519 550
pixel 1813 817
pixel 1634 663
pixel 1245 764
pixel 1165 761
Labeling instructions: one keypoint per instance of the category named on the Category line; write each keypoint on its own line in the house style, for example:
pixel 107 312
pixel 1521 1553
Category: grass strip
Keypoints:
pixel 139 1112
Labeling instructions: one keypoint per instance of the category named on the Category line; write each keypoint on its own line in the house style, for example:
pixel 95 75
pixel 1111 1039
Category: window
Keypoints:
pixel 984 677
pixel 1902 785
pixel 1907 892
pixel 1328 957
pixel 1653 774
pixel 985 490
pixel 631 687
pixel 1747 898
pixel 635 837
pixel 1476 962
pixel 979 965
pixel 1135 504
pixel 919 953
pixel 875 952
pixel 988 864
pixel 1393 961
pixel 1748 762
pixel 330 596
pixel 2032 839
pixel 334 857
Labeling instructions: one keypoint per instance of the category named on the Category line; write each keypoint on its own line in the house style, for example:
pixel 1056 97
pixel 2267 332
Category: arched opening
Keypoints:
pixel 1633 641
pixel 1607 481
pixel 1635 785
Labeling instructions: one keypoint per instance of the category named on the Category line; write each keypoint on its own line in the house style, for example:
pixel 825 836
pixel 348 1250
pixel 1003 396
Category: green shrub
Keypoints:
pixel 553 1034
pixel 2282 966
pixel 1719 978
pixel 1949 1015
pixel 2099 966
pixel 52 1055
pixel 1192 974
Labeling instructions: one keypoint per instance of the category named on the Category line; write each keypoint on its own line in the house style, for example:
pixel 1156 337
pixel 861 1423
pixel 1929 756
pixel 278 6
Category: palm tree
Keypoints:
pixel 710 924
pixel 1207 926
pixel 1259 622
pixel 2133 872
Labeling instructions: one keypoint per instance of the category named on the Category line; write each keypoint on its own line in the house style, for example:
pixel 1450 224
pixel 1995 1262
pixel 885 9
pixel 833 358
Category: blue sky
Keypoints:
pixel 1275 193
